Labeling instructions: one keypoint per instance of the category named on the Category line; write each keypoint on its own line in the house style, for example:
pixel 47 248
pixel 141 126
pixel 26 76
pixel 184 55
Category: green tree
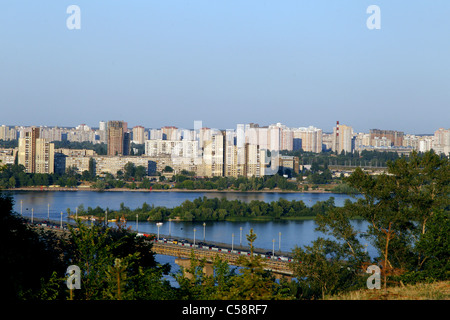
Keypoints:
pixel 254 282
pixel 398 206
pixel 28 257
pixel 434 247
pixel 129 171
pixel 111 260
pixel 321 269
pixel 91 168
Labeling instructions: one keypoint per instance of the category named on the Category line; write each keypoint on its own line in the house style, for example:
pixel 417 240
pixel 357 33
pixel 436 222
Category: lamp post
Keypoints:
pixel 279 241
pixel 204 225
pixel 61 220
pixel 194 235
pixel 159 224
pixel 21 202
pixel 232 241
pixel 170 220
pixel 48 211
pixel 32 214
pixel 240 236
pixel 273 247
pixel 137 223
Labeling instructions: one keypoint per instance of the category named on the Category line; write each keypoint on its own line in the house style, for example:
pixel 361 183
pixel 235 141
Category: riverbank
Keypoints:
pixel 178 219
pixel 88 188
pixel 212 209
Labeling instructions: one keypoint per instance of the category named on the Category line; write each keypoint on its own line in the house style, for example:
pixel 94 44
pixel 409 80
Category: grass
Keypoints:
pixel 422 291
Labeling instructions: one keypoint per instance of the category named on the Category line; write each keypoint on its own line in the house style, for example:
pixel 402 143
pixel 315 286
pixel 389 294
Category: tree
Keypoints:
pixel 140 173
pixel 129 171
pixel 254 283
pixel 91 168
pixel 12 182
pixel 28 256
pixel 168 169
pixel 321 269
pixel 399 205
pixel 112 261
pixel 434 247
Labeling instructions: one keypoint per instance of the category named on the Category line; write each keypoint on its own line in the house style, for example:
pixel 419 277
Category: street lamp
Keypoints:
pixel 159 224
pixel 137 223
pixel 240 237
pixel 48 211
pixel 232 241
pixel 204 225
pixel 32 213
pixel 194 235
pixel 273 247
pixel 279 241
pixel 21 201
pixel 61 220
pixel 170 220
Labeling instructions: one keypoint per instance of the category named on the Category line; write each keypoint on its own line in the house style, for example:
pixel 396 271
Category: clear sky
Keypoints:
pixel 171 62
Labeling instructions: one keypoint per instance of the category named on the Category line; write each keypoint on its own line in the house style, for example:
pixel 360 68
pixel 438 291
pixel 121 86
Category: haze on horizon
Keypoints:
pixel 157 63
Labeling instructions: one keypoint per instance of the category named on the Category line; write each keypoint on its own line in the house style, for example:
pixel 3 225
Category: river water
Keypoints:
pixel 282 235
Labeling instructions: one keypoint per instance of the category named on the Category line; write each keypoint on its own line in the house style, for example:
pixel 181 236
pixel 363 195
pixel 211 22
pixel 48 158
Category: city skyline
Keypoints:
pixel 250 150
pixel 154 63
pixel 97 125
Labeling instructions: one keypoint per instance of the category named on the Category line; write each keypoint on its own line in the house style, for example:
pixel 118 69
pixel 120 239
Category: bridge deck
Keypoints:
pixel 276 266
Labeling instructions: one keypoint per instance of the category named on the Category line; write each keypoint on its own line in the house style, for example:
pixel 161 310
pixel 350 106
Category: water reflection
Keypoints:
pixel 293 232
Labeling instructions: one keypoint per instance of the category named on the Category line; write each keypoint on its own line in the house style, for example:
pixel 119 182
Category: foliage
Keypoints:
pixel 407 212
pixel 253 282
pixel 206 209
pixel 28 257
pixel 99 148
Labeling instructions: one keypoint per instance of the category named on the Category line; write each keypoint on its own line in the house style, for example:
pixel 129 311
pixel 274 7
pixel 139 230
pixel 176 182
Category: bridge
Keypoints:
pixel 183 251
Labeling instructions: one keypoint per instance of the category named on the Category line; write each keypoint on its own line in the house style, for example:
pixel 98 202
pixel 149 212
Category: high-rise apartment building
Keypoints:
pixel 441 141
pixel 342 138
pixel 396 137
pixel 36 154
pixel 308 139
pixel 118 138
pixel 7 133
pixel 139 134
pixel 170 133
pixel 214 155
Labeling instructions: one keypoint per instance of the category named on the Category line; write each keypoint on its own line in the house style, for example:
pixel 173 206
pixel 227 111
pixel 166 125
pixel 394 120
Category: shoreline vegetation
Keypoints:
pixel 408 217
pixel 205 209
pixel 89 188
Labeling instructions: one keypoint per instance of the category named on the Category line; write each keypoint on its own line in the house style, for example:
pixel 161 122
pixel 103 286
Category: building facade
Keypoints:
pixel 118 138
pixel 36 154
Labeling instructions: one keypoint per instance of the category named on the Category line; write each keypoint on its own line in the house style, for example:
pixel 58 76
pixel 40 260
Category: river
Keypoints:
pixel 282 235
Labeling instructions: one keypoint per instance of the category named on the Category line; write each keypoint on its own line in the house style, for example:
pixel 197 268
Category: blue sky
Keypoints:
pixel 156 63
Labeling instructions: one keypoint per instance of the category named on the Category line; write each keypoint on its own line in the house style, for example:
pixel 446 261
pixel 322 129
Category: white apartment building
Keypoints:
pixel 7 133
pixel 173 148
pixel 308 139
pixel 342 138
pixel 139 135
pixel 441 141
